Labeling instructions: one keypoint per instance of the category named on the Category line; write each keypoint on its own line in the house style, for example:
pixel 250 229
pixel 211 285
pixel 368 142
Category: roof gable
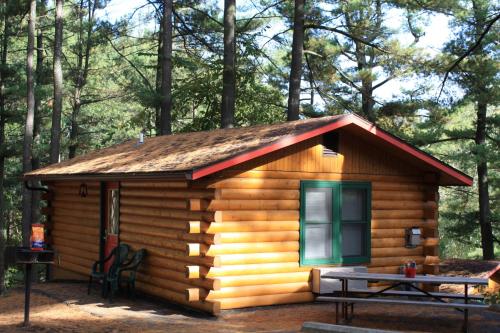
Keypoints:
pixel 199 154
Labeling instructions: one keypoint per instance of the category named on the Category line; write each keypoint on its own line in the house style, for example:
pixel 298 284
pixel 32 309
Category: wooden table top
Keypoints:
pixel 401 278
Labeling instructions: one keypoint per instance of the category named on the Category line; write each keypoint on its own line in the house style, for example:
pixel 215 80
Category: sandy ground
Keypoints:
pixel 66 307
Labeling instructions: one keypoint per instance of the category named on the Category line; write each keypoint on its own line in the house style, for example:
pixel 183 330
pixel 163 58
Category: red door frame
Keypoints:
pixel 111 240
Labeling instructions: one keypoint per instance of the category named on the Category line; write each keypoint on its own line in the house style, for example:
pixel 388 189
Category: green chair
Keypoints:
pixel 131 267
pixel 120 253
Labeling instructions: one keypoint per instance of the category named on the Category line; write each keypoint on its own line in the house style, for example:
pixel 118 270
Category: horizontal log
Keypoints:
pixel 83 230
pixel 179 298
pixel 83 262
pixel 251 183
pixel 430 233
pixel 70 198
pixel 251 215
pixel 245 204
pixel 74 268
pixel 388 242
pixel 396 251
pixel 237 248
pixel 251 269
pixel 263 279
pixel 251 301
pixel 398 214
pixel 157 261
pixel 394 195
pixel 154 203
pixel 395 261
pixel 71 251
pixel 407 223
pixel 256 194
pixel 166 194
pixel 396 205
pixel 321 176
pixel 83 246
pixel 246 291
pixel 388 233
pixel 169 233
pixel 88 214
pixel 174 254
pixel 155 184
pixel 242 226
pixel 257 258
pixel 167 213
pixel 91 223
pixel 153 240
pixel 80 207
pixel 395 186
pixel 154 221
pixel 171 285
pixel 252 237
pixel 167 274
pixel 76 237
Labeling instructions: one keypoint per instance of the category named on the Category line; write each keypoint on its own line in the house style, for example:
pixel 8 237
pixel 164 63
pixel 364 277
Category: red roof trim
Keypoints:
pixel 340 122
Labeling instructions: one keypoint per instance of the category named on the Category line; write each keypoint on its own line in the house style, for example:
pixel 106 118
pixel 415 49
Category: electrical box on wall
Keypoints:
pixel 413 237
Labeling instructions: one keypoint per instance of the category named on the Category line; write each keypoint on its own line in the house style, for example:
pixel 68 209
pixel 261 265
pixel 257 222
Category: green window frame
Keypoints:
pixel 334 220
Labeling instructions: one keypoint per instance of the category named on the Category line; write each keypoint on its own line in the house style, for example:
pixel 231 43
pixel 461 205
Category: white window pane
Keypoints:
pixel 353 239
pixel 318 241
pixel 318 204
pixel 353 204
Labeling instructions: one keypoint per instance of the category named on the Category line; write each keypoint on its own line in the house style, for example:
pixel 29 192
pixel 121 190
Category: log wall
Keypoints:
pixel 155 216
pixel 74 227
pixel 256 217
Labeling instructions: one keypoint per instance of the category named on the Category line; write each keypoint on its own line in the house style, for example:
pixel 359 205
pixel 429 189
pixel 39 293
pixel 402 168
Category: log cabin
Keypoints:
pixel 239 217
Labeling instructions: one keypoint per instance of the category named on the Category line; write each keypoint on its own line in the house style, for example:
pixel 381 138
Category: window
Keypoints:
pixel 334 222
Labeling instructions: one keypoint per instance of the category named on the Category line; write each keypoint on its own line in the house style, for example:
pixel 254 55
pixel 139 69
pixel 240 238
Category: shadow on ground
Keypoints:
pixel 66 307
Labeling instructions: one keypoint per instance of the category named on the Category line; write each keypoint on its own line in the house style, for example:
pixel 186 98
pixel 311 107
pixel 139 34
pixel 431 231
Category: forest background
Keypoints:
pixel 76 76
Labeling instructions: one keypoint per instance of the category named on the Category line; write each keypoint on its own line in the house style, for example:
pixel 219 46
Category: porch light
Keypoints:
pixel 413 237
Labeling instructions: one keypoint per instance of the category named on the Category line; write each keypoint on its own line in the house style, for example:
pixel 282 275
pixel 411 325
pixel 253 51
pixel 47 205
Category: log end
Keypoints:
pixel 193 249
pixel 193 272
pixel 192 294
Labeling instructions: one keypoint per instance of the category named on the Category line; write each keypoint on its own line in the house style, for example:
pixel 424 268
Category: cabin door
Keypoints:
pixel 112 220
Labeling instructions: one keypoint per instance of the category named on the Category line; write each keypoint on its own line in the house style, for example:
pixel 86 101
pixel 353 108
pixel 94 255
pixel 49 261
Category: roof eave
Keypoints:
pixel 177 175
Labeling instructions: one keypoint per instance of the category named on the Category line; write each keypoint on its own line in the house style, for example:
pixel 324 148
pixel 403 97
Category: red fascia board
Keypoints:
pixel 283 143
pixel 340 122
pixel 412 151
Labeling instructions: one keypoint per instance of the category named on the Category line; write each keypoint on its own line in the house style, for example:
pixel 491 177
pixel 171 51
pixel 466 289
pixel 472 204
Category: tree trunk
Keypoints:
pixel 158 79
pixel 82 70
pixel 55 132
pixel 28 129
pixel 35 159
pixel 229 72
pixel 296 66
pixel 166 73
pixel 3 63
pixel 482 184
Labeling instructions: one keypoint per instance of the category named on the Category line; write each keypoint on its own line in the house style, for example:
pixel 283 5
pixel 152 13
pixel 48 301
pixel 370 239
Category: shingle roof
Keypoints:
pixel 179 152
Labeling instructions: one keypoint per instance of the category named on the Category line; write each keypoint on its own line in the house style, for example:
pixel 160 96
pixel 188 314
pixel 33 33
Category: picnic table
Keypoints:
pixel 347 299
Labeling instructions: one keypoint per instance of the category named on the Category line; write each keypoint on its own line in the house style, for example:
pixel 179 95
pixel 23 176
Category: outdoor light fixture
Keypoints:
pixel 413 237
pixel 83 190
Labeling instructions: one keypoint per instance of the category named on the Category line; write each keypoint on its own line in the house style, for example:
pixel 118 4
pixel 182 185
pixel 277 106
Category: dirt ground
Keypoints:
pixel 66 307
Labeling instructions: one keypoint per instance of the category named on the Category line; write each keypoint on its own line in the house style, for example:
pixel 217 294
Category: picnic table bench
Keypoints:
pixel 347 299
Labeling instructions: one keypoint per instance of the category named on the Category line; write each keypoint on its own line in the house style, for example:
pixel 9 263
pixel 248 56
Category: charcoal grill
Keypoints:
pixel 28 257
